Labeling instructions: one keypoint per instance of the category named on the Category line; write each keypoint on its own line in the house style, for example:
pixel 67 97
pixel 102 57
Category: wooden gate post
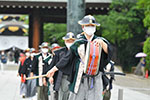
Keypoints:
pixel 35 28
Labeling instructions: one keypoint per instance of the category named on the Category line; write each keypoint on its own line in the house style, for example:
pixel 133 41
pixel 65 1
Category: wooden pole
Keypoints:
pixel 75 12
pixel 36 31
pixel 34 77
pixel 35 25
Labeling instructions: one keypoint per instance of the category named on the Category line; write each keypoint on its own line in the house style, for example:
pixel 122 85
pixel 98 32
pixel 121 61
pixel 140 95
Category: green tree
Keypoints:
pixel 54 33
pixel 146 50
pixel 123 27
pixel 145 5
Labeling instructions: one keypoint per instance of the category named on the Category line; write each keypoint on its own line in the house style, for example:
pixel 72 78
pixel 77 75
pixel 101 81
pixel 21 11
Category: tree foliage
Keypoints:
pixel 123 27
pixel 145 5
pixel 54 33
pixel 146 50
pixel 123 24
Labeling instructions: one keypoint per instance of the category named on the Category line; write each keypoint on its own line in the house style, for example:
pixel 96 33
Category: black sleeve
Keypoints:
pixel 64 63
pixel 34 68
pixel 24 67
pixel 20 68
pixel 109 55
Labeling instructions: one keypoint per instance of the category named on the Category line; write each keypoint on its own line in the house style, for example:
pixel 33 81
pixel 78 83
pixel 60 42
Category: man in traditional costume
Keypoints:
pixel 37 69
pixel 23 85
pixel 84 86
pixel 60 79
pixel 52 94
pixel 26 70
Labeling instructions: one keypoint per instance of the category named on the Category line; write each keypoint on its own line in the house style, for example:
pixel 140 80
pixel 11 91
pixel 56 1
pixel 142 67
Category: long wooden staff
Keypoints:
pixel 34 77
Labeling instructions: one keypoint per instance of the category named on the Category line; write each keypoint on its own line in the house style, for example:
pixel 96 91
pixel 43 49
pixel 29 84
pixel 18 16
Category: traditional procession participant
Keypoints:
pixel 23 88
pixel 22 58
pixel 47 62
pixel 26 70
pixel 60 80
pixel 37 69
pixel 54 47
pixel 84 84
pixel 53 93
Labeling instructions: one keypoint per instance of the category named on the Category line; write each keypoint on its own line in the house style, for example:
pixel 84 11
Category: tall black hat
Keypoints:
pixel 89 19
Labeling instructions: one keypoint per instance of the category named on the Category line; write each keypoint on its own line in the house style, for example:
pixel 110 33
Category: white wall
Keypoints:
pixel 7 42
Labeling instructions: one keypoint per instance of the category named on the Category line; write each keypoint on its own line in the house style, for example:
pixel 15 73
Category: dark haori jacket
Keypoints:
pixel 74 56
pixel 40 62
pixel 27 66
pixel 21 66
pixel 20 69
pixel 58 54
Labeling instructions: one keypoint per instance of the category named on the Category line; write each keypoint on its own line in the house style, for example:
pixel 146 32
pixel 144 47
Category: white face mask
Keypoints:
pixel 44 50
pixel 27 54
pixel 68 45
pixel 89 30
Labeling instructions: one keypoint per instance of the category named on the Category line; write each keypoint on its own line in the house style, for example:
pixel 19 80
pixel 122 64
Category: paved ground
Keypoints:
pixel 134 88
pixel 10 83
pixel 133 82
pixel 128 94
